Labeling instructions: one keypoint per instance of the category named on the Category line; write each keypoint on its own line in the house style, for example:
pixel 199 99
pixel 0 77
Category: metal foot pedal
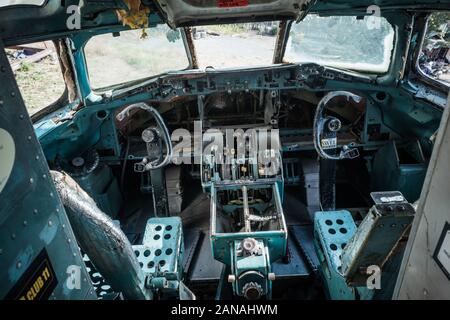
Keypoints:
pixel 161 254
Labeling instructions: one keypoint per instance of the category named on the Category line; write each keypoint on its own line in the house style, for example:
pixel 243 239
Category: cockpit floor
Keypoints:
pixel 201 268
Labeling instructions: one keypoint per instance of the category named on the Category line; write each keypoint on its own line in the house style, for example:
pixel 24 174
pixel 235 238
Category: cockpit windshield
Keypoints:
pixel 7 3
pixel 235 45
pixel 134 54
pixel 342 41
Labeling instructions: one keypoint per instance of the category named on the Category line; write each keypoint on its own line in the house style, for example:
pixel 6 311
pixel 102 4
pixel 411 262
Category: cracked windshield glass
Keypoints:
pixel 134 55
pixel 235 45
pixel 345 42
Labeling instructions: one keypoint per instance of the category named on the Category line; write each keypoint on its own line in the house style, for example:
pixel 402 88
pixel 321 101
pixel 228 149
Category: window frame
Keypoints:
pixel 60 101
pixel 190 58
pixel 278 45
pixel 391 65
pixel 442 85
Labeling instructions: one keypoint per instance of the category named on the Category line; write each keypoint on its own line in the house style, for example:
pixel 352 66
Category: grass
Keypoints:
pixel 40 83
pixel 133 58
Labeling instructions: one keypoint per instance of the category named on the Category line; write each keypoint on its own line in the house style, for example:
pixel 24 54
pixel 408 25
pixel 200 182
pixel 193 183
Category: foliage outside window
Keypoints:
pixel 434 59
pixel 114 60
pixel 345 42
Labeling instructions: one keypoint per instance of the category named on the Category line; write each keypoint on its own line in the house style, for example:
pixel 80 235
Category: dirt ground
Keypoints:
pixel 229 51
pixel 40 83
pixel 113 61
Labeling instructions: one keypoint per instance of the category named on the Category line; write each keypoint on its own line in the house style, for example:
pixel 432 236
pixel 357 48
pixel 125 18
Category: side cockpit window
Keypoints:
pixel 38 74
pixel 434 58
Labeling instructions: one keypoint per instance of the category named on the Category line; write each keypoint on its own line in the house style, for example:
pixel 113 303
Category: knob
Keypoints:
pixel 252 291
pixel 334 125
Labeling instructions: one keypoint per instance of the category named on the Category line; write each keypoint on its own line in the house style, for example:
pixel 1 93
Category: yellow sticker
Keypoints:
pixel 7 156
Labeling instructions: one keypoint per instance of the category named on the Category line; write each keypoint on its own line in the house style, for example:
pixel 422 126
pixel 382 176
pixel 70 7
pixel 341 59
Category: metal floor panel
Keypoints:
pixel 297 266
pixel 199 264
pixel 192 238
pixel 304 238
pixel 204 268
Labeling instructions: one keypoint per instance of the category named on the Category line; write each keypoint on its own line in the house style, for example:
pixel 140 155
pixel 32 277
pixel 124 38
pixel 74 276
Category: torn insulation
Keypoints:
pixel 136 16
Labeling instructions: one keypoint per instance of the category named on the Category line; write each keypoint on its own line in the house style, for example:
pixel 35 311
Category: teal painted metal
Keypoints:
pixel 332 231
pixel 34 229
pixel 161 254
pixel 103 187
pixel 377 237
pixel 251 269
pixel 400 167
pixel 401 112
pixel 276 240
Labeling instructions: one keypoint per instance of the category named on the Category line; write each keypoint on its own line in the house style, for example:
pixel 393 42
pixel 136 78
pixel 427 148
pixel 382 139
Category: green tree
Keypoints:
pixel 439 28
